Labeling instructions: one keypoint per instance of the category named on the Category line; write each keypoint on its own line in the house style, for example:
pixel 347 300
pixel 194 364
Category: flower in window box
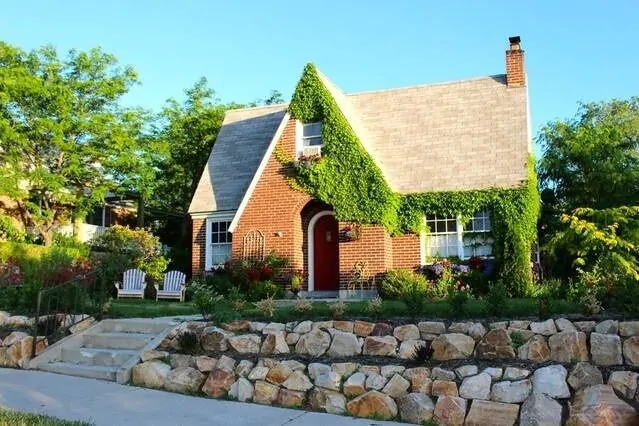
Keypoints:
pixel 308 160
pixel 350 233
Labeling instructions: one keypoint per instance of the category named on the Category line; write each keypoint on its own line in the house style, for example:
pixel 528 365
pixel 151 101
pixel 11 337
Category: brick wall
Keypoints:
pixel 198 247
pixel 274 207
pixel 406 251
pixel 373 247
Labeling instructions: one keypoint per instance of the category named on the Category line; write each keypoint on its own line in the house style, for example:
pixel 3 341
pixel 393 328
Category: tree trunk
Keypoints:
pixel 47 238
pixel 140 211
pixel 77 228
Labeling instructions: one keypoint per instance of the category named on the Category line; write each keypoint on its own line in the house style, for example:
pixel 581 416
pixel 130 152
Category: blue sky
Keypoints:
pixel 575 50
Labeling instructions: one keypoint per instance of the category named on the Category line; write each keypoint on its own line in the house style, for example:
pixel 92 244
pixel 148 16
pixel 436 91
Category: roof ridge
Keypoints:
pixel 415 86
pixel 273 106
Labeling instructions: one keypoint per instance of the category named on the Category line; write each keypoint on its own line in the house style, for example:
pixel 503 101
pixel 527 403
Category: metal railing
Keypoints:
pixel 64 305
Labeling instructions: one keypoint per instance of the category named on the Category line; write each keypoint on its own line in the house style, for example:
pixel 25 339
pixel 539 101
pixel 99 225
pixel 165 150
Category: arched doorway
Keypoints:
pixel 323 252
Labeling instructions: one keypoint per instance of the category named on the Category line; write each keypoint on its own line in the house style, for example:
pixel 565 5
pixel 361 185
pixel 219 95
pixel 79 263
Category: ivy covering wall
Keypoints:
pixel 350 180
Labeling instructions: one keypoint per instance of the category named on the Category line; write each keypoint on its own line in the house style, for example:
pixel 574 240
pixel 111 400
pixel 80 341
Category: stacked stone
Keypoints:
pixel 15 349
pixel 503 394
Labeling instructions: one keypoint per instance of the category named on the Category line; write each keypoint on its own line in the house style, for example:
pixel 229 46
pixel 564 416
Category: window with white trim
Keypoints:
pixel 221 240
pixel 442 239
pixel 477 236
pixel 312 134
pixel 448 236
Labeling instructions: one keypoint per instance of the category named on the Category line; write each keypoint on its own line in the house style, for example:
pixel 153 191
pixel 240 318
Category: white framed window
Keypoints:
pixel 447 236
pixel 312 134
pixel 220 242
pixel 477 236
pixel 442 239
pixel 309 139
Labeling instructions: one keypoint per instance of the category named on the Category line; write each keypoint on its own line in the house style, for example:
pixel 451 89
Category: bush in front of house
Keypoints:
pixel 398 282
pixel 139 247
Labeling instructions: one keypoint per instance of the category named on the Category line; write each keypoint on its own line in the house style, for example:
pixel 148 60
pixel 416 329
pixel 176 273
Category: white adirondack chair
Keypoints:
pixel 133 283
pixel 174 286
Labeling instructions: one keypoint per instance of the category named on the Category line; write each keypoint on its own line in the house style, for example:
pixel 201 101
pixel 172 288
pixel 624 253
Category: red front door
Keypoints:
pixel 326 254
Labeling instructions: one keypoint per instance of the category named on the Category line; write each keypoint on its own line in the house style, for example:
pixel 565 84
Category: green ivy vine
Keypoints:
pixel 350 180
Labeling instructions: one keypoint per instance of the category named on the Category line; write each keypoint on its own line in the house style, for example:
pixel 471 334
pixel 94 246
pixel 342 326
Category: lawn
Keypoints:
pixel 15 418
pixel 131 308
pixel 357 309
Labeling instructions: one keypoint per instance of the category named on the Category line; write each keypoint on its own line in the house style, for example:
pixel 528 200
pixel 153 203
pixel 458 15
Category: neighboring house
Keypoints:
pixel 456 136
pixel 116 210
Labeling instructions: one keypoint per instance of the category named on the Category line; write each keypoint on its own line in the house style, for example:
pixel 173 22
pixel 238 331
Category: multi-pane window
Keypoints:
pixel 312 134
pixel 442 239
pixel 448 236
pixel 221 240
pixel 477 236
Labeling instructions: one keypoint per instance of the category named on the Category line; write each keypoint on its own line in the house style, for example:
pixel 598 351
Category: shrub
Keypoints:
pixel 497 299
pixel 266 306
pixel 399 281
pixel 422 353
pixel 263 290
pixel 457 297
pixel 237 299
pixel 374 306
pixel 302 305
pixel 205 300
pixel 8 231
pixel 415 299
pixel 142 248
pixel 517 339
pixel 188 342
pixel 220 282
pixel 476 280
pixel 338 309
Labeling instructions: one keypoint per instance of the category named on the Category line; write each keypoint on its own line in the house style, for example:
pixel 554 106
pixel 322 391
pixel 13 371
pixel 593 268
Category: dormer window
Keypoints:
pixel 312 134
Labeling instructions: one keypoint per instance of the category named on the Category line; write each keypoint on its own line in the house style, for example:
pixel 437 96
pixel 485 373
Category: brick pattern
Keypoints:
pixel 198 248
pixel 373 247
pixel 515 70
pixel 406 251
pixel 274 207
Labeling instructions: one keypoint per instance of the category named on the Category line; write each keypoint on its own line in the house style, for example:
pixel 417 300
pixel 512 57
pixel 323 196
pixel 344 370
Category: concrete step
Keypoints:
pixel 92 356
pixel 117 340
pixel 101 372
pixel 133 326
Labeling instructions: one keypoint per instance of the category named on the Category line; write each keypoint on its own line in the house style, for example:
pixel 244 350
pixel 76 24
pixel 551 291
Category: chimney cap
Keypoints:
pixel 514 40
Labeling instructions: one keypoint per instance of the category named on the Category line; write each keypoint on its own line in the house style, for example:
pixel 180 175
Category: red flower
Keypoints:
pixel 266 272
pixel 446 263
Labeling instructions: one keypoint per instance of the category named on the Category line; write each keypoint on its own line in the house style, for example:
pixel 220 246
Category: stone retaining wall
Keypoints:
pixel 516 372
pixel 607 343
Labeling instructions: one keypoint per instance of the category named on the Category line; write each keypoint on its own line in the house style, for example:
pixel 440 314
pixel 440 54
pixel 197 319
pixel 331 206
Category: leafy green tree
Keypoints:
pixel 187 132
pixel 589 162
pixel 64 139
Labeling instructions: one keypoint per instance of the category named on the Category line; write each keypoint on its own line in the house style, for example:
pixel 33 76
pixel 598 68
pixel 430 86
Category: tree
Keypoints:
pixel 64 139
pixel 593 159
pixel 187 131
pixel 590 162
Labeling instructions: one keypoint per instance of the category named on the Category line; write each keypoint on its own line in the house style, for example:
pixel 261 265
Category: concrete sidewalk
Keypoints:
pixel 111 404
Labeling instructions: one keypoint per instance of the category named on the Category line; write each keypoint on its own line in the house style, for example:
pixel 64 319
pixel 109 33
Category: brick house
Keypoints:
pixel 454 136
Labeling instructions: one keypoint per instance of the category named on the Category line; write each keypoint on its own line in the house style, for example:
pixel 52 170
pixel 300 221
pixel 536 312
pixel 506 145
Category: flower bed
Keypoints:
pixel 481 373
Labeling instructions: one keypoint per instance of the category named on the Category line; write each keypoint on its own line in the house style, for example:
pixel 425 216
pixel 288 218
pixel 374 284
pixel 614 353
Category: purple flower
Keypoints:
pixel 461 268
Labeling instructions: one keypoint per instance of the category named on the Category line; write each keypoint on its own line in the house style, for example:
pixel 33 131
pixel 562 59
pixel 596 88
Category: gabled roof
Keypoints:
pixel 235 157
pixel 468 134
pixel 462 135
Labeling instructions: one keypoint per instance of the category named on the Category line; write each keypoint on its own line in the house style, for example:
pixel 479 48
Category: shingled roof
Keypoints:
pixel 235 157
pixel 461 135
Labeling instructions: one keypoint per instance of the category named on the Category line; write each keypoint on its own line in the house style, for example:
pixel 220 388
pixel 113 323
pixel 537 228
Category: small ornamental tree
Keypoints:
pixel 139 247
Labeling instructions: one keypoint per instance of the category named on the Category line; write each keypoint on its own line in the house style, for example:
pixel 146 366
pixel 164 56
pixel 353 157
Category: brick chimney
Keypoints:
pixel 515 72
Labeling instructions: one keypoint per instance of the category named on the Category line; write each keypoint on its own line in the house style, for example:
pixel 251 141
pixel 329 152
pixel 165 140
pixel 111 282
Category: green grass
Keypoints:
pixel 132 308
pixel 391 308
pixel 15 418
